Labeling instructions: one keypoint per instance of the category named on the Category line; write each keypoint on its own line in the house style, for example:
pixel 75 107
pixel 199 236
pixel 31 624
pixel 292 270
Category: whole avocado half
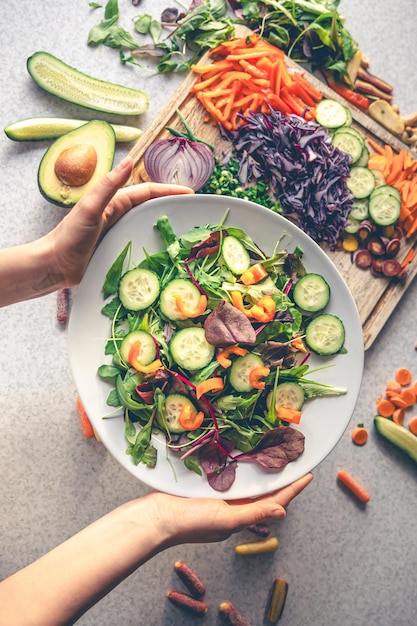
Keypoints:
pixel 75 162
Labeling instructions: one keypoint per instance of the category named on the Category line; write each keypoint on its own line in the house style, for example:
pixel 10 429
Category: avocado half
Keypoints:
pixel 75 162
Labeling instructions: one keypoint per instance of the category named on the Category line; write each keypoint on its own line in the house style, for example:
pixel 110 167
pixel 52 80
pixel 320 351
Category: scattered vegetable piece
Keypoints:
pixel 194 584
pixel 353 485
pixel 276 601
pixel 403 376
pixel 258 547
pixel 398 435
pixel 385 407
pixel 198 607
pixel 412 425
pixel 63 305
pixel 86 426
pixel 360 435
pixel 228 611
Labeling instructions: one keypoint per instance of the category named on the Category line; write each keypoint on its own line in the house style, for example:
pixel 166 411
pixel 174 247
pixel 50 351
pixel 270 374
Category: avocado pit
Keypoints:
pixel 76 165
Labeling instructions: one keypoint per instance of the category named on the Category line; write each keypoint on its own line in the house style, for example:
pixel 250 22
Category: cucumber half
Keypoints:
pixel 40 128
pixel 398 435
pixel 64 81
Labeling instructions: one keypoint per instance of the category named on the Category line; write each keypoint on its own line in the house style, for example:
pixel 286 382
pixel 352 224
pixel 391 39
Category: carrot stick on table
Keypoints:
pixel 353 485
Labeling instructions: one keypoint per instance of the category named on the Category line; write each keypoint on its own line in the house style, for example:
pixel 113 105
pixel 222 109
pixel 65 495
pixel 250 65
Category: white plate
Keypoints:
pixel 324 419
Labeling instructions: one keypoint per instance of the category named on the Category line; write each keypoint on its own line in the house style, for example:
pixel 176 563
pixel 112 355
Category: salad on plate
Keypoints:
pixel 210 341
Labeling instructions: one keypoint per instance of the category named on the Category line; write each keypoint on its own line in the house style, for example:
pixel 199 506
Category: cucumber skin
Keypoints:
pixel 96 91
pixel 397 435
pixel 39 129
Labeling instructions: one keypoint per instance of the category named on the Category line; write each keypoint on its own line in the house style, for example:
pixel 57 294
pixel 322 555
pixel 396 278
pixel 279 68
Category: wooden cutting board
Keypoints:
pixel 376 298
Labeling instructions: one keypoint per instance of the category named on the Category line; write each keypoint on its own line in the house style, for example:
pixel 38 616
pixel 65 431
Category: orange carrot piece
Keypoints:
pixel 385 408
pixel 412 425
pixel 357 489
pixel 398 403
pixel 375 146
pixel 359 435
pixel 398 416
pixel 86 427
pixel 408 396
pixel 394 386
pixel 403 376
pixel 408 257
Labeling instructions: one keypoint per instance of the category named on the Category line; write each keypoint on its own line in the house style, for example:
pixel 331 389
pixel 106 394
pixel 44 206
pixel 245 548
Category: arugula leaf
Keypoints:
pixel 114 274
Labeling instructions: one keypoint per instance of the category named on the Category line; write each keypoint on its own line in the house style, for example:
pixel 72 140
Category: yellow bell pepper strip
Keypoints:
pixel 255 375
pixel 288 415
pixel 264 310
pixel 190 420
pixel 254 274
pixel 237 301
pixel 222 356
pixel 144 369
pixel 211 384
pixel 199 310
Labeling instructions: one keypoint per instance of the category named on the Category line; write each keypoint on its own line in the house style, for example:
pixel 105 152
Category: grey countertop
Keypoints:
pixel 345 564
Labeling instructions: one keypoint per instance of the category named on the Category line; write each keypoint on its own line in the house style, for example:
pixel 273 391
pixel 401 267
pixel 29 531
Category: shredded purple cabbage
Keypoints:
pixel 306 173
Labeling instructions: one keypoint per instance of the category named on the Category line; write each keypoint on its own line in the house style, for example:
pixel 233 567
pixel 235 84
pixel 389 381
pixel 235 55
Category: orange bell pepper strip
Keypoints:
pixel 255 375
pixel 288 415
pixel 144 369
pixel 264 310
pixel 200 308
pixel 222 356
pixel 254 274
pixel 188 419
pixel 211 384
pixel 298 344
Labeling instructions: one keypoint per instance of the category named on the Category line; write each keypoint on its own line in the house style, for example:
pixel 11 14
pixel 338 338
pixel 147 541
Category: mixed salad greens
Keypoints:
pixel 209 341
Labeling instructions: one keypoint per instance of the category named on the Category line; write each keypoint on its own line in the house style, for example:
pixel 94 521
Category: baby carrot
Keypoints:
pixel 359 435
pixel 403 376
pixel 353 485
pixel 86 426
pixel 412 425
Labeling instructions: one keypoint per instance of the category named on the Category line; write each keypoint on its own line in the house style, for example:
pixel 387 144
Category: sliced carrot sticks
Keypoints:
pixel 357 489
pixel 250 74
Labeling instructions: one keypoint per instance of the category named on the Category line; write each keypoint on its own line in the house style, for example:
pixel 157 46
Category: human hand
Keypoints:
pixel 194 520
pixel 73 241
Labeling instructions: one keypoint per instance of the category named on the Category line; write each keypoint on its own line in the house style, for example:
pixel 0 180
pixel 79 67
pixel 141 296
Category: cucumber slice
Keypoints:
pixel 39 128
pixel 364 158
pixel 59 79
pixel 190 348
pixel 384 207
pixel 361 182
pixel 325 334
pixel 174 404
pixel 235 255
pixel 240 369
pixel 138 289
pixel 352 224
pixel 311 293
pixel 398 435
pixel 190 297
pixel 387 190
pixel 360 209
pixel 289 395
pixel 331 114
pixel 147 351
pixel 348 143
